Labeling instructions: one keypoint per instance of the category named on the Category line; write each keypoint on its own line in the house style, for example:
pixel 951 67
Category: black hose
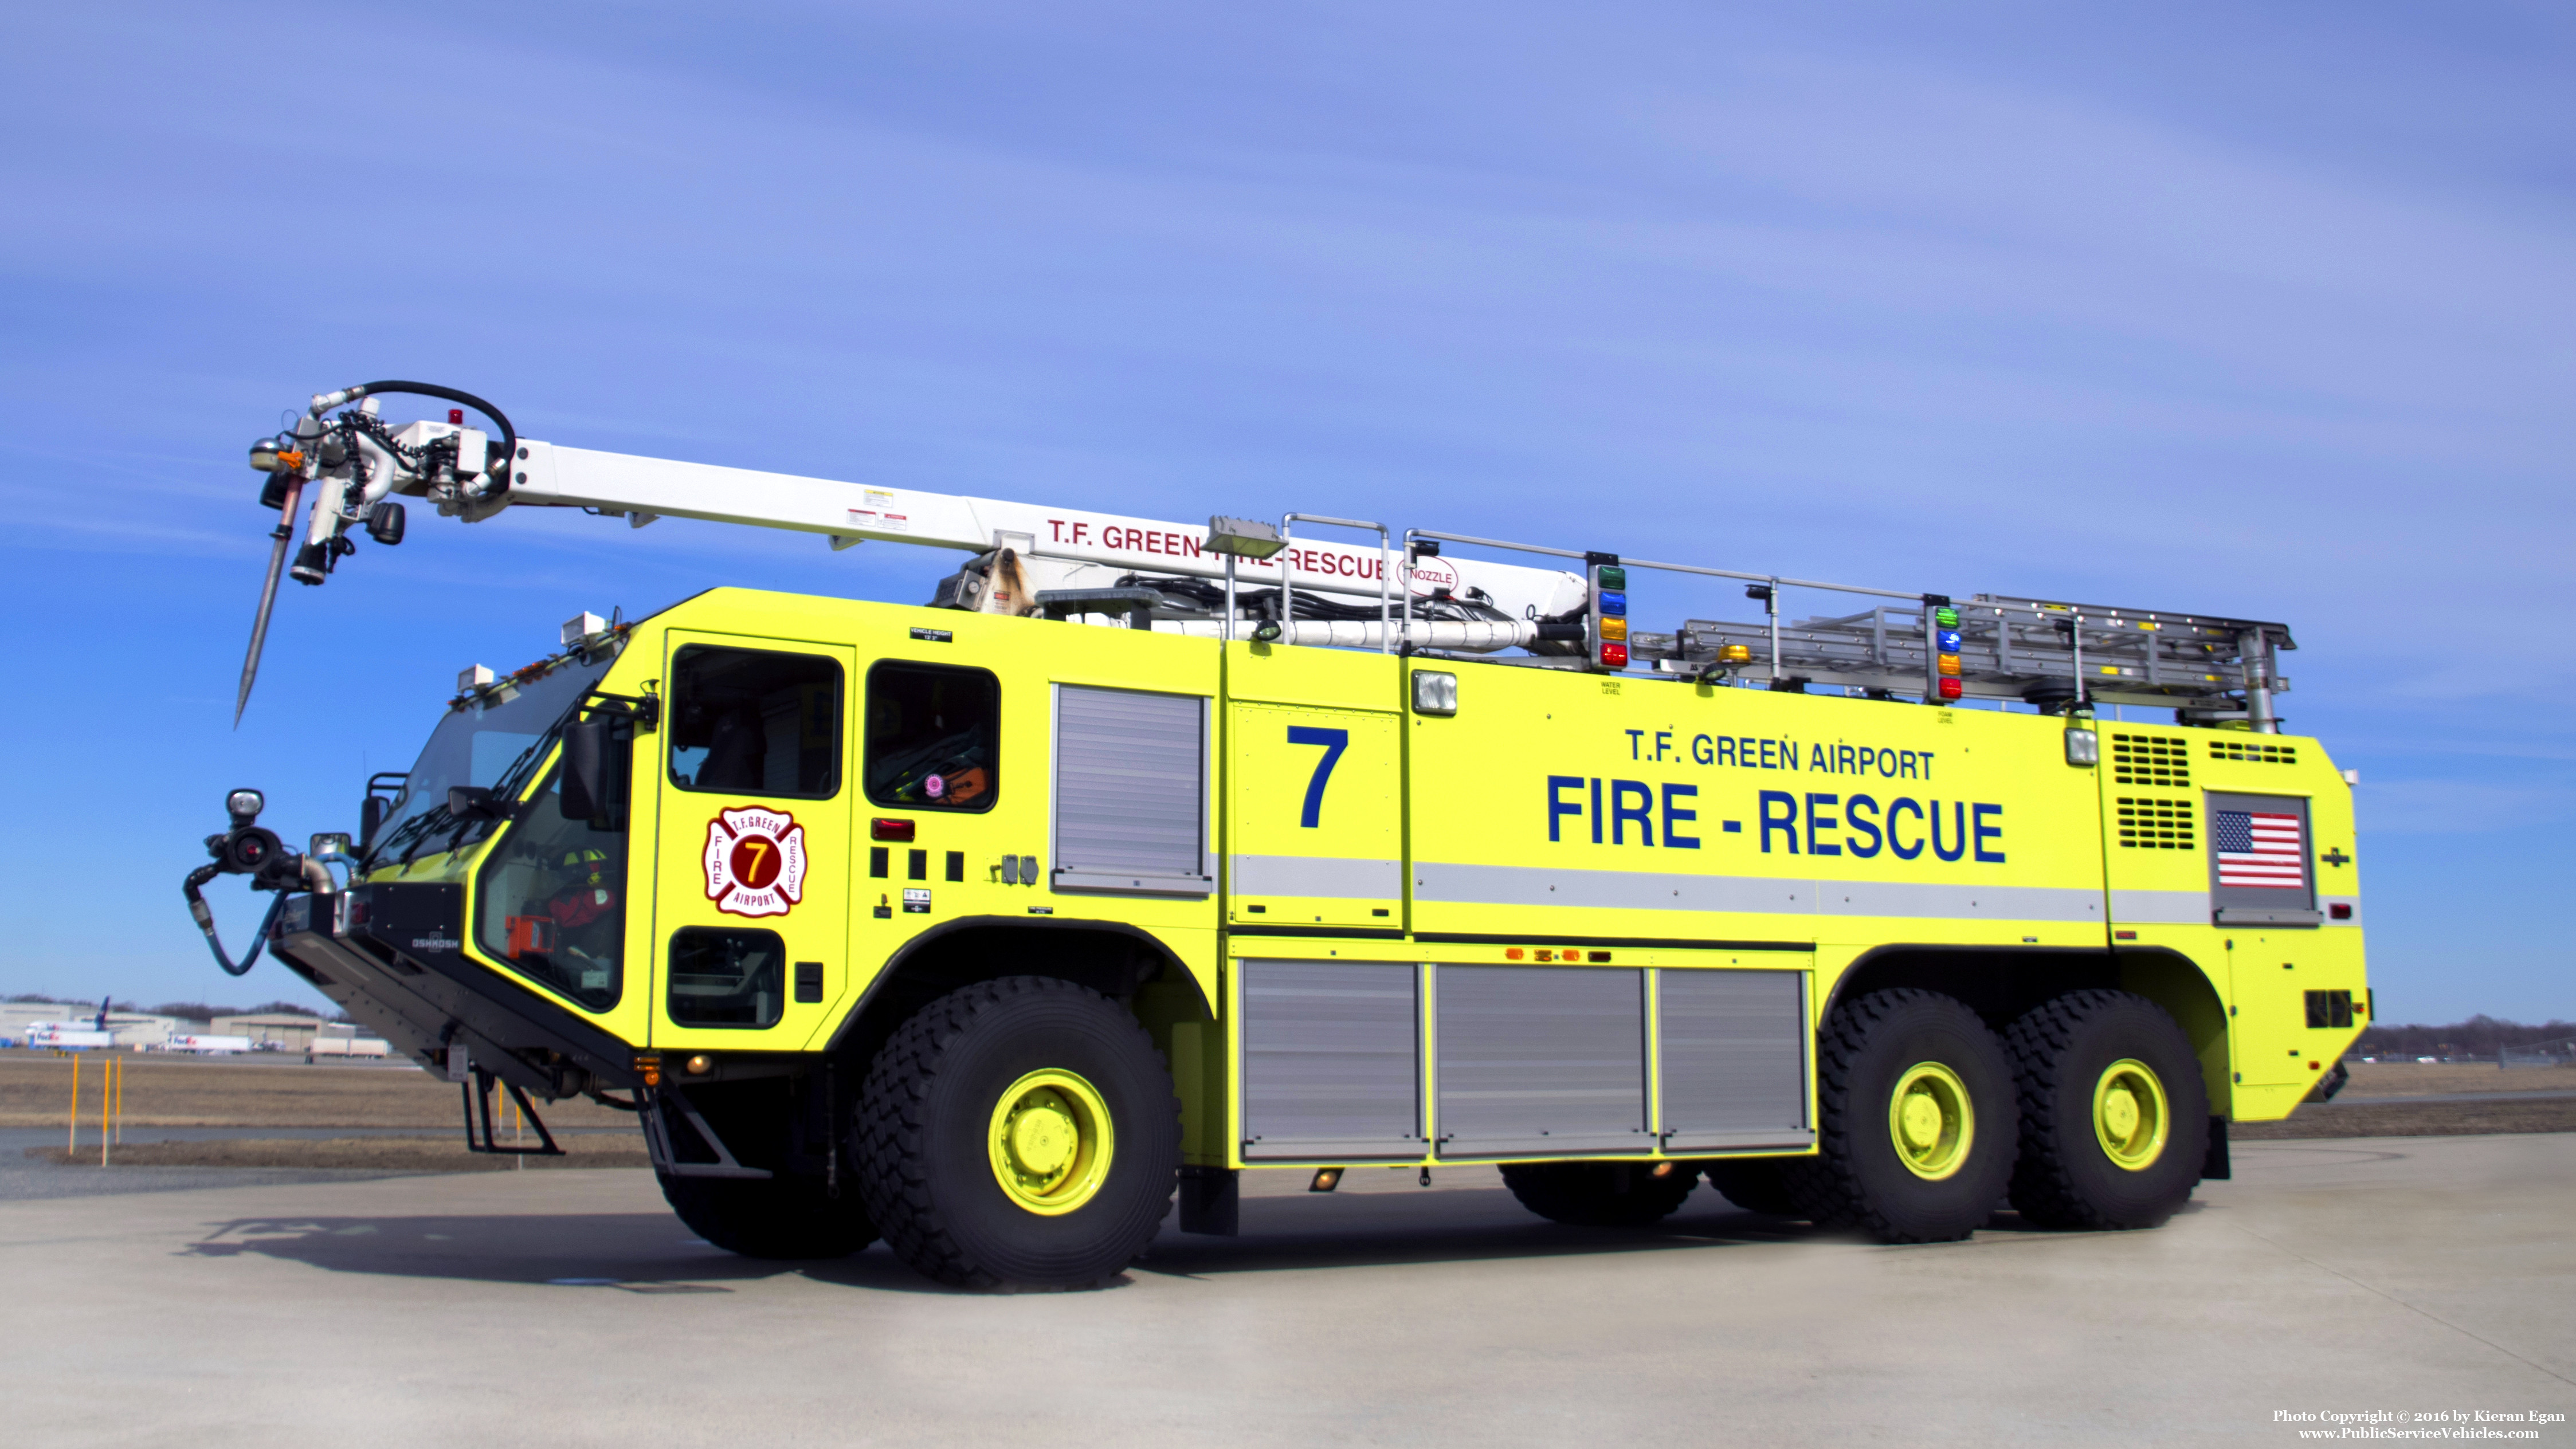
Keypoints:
pixel 205 917
pixel 509 435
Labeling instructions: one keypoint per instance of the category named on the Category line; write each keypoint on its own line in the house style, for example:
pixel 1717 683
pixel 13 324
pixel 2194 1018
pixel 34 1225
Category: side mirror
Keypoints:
pixel 331 845
pixel 371 817
pixel 588 788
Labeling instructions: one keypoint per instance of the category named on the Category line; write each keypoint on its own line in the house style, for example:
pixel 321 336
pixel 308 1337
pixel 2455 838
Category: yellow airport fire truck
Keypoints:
pixel 1147 855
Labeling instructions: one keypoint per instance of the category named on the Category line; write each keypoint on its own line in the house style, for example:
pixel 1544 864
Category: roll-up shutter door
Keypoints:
pixel 1131 791
pixel 1331 1061
pixel 1537 1059
pixel 1734 1058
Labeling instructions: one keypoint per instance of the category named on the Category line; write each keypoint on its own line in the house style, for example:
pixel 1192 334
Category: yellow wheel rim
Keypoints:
pixel 2130 1116
pixel 1930 1121
pixel 1051 1142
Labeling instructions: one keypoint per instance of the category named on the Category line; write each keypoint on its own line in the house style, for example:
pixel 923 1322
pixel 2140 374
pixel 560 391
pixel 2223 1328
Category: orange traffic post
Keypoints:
pixel 106 1094
pixel 71 1143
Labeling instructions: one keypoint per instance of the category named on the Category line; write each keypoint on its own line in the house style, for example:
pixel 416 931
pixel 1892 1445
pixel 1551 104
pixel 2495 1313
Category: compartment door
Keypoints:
pixel 1314 832
pixel 1331 1061
pixel 1536 1060
pixel 1732 1046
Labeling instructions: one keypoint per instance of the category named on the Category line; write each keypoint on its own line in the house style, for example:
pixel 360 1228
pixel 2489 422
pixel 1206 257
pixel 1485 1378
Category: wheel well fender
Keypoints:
pixel 2177 983
pixel 1118 961
pixel 1997 984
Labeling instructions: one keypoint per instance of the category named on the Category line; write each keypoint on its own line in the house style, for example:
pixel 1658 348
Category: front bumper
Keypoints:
pixel 392 956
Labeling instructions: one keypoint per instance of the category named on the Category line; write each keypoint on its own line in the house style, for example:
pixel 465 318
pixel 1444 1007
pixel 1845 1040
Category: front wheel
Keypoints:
pixel 776 1217
pixel 2114 1119
pixel 1019 1133
pixel 1917 1107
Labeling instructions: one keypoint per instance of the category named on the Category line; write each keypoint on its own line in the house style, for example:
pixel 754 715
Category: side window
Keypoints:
pixel 934 737
pixel 754 722
pixel 726 977
pixel 553 897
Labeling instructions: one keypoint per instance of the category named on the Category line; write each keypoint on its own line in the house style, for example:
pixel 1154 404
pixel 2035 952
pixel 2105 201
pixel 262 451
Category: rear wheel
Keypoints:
pixel 1019 1133
pixel 777 1217
pixel 1600 1194
pixel 2114 1119
pixel 1754 1184
pixel 1917 1106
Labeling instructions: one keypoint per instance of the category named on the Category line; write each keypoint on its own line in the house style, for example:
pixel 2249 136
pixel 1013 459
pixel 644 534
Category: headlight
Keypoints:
pixel 245 804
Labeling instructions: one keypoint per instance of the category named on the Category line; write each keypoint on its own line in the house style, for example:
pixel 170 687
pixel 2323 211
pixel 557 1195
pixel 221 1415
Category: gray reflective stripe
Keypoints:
pixel 1529 885
pixel 1308 875
pixel 2160 908
pixel 2003 903
pixel 1523 885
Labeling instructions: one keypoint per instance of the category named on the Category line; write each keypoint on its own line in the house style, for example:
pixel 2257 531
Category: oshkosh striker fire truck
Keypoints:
pixel 1146 855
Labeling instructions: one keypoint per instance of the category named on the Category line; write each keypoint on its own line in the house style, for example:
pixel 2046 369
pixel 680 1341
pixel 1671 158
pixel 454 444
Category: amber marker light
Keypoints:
pixel 701 1064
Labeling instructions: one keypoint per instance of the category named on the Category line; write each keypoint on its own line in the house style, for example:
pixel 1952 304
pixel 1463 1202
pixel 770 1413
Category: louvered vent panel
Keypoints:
pixel 2150 760
pixel 2257 754
pixel 2146 824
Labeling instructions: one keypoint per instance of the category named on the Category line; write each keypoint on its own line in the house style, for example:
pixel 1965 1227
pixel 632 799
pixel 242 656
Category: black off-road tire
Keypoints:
pixel 778 1217
pixel 925 1116
pixel 1857 1179
pixel 2060 1050
pixel 1599 1194
pixel 1755 1184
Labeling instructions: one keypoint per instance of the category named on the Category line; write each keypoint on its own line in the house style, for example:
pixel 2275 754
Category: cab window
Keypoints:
pixel 553 895
pixel 934 737
pixel 755 722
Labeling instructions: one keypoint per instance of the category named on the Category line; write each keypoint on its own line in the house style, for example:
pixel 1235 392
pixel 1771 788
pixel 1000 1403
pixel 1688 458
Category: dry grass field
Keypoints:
pixel 174 1091
pixel 379 1154
pixel 166 1091
pixel 2372 1081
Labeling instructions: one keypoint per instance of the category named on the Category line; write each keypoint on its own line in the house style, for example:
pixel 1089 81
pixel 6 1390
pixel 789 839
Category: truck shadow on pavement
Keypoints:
pixel 632 1252
pixel 1382 1229
pixel 654 1253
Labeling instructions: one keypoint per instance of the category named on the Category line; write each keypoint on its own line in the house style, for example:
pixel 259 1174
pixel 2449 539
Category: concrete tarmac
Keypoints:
pixel 2406 1275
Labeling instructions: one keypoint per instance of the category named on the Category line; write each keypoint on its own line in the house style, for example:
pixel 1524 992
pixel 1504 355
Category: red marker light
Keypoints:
pixel 1950 689
pixel 1614 656
pixel 890 829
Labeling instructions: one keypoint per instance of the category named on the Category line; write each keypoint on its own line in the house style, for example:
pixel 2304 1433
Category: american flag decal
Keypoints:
pixel 2258 848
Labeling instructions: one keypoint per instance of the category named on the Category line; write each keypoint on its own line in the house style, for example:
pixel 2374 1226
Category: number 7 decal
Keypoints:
pixel 1334 742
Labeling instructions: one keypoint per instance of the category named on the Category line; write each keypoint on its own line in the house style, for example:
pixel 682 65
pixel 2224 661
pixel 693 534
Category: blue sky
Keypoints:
pixel 2256 311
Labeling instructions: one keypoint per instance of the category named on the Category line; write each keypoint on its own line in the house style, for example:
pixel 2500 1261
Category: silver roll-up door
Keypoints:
pixel 1331 1061
pixel 1734 1055
pixel 1539 1059
pixel 1131 791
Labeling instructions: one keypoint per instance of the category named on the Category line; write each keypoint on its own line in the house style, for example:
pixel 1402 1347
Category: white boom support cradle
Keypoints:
pixel 1072 562
pixel 1065 547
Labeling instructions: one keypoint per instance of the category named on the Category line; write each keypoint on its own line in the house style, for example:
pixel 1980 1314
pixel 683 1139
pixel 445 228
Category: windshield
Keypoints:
pixel 493 742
